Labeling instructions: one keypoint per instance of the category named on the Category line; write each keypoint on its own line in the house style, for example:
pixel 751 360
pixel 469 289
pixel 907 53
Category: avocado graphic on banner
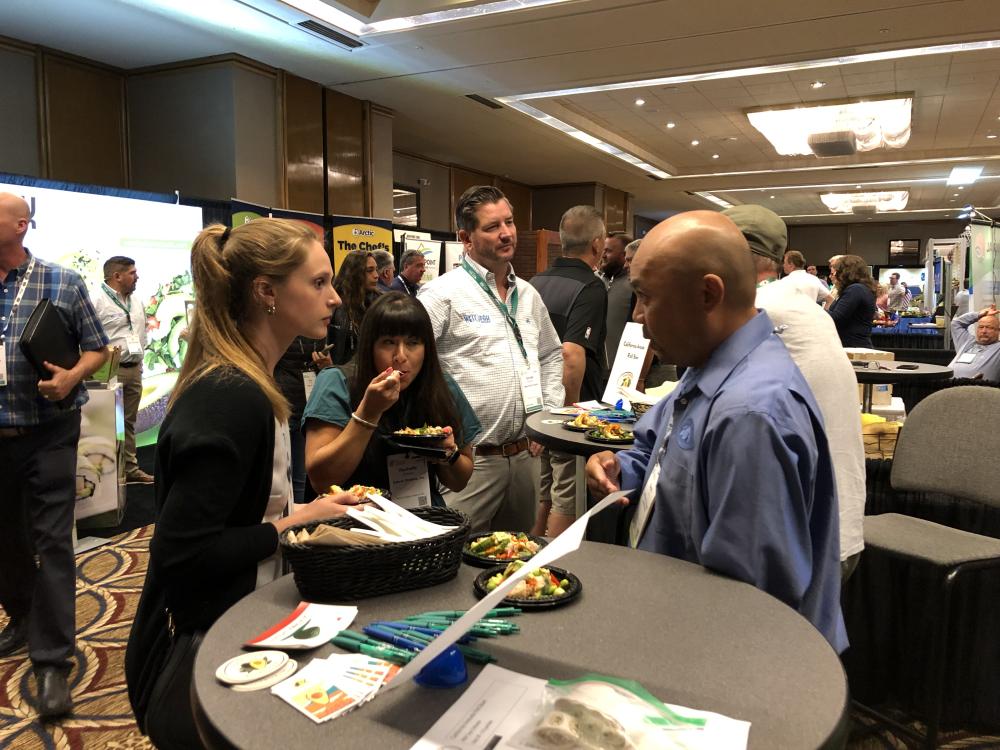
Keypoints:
pixel 243 212
pixel 350 233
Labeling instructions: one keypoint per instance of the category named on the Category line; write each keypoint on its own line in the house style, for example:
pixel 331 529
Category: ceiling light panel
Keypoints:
pixel 883 123
pixel 964 175
pixel 886 200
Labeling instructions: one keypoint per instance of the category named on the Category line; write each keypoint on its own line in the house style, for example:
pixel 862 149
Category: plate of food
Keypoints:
pixel 543 588
pixel 426 435
pixel 582 423
pixel 613 434
pixel 614 415
pixel 486 550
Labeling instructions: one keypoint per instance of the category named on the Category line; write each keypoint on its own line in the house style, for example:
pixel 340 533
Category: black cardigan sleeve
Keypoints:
pixel 214 465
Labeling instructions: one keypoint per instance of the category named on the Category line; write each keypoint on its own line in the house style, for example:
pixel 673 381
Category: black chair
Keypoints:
pixel 947 445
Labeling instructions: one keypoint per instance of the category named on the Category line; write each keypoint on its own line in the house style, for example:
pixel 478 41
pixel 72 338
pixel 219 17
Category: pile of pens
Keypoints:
pixel 399 641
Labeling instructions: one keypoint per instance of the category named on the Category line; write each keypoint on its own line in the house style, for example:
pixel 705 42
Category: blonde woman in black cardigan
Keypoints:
pixel 222 478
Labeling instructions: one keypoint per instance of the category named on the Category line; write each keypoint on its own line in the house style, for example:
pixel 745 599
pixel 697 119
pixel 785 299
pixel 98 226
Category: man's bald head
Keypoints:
pixel 14 217
pixel 695 285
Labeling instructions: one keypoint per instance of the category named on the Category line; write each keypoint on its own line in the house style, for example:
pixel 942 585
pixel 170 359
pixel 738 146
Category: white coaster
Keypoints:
pixel 287 670
pixel 250 667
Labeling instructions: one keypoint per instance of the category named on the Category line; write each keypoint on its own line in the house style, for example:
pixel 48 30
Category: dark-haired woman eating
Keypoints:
pixel 397 382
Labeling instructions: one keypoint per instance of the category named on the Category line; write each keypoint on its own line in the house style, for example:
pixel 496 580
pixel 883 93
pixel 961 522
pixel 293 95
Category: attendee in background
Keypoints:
pixel 811 270
pixel 630 251
pixel 795 276
pixel 578 306
pixel 882 297
pixel 123 317
pixel 356 283
pixel 495 338
pixel 899 295
pixel 811 339
pixel 295 375
pixel 832 280
pixel 385 267
pixel 397 382
pixel 977 356
pixel 732 470
pixel 961 298
pixel 615 277
pixel 411 269
pixel 222 467
pixel 38 444
pixel 854 308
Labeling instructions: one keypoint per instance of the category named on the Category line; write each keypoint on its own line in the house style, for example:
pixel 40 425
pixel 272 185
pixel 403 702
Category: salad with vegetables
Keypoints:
pixel 502 545
pixel 540 583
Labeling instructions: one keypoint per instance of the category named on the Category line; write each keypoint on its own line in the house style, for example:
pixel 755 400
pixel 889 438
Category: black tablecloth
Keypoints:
pixel 887 605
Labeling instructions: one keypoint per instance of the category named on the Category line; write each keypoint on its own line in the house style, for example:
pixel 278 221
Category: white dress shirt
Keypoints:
pixel 118 324
pixel 478 349
pixel 811 338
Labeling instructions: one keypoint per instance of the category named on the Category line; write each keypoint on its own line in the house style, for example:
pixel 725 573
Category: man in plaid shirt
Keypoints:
pixel 38 447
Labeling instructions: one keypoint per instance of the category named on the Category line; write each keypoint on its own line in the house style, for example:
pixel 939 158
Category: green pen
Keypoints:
pixel 473 654
pixel 378 652
pixel 365 640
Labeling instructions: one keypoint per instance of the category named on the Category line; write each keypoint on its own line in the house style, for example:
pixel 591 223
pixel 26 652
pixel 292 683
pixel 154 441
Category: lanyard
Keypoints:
pixel 17 298
pixel 118 302
pixel 508 314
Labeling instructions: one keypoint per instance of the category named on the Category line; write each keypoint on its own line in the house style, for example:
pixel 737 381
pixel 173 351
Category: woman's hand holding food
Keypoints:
pixel 380 395
pixel 322 508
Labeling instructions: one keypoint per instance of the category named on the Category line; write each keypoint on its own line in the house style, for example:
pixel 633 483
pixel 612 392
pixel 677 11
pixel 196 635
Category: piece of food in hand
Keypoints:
pixel 427 431
pixel 541 582
pixel 502 545
pixel 586 420
pixel 359 491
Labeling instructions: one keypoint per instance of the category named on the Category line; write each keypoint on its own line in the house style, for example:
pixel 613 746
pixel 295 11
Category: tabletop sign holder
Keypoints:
pixel 628 363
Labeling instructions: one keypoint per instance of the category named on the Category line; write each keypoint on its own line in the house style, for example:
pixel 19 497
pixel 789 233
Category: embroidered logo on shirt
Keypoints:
pixel 587 334
pixel 685 435
pixel 480 318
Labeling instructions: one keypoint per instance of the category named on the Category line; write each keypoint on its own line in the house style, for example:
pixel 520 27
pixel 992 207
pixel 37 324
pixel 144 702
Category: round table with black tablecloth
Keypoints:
pixel 894 372
pixel 547 428
pixel 689 636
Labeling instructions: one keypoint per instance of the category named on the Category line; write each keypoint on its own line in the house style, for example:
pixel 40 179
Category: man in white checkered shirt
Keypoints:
pixel 494 337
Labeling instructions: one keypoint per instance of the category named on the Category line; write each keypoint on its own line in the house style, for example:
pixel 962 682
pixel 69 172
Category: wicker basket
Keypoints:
pixel 880 440
pixel 640 409
pixel 328 573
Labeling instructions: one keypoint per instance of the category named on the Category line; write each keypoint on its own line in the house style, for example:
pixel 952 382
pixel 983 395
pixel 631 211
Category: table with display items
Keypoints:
pixel 871 372
pixel 691 637
pixel 547 428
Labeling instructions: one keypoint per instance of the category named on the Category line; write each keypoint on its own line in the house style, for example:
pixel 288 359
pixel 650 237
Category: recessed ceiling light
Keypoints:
pixel 695 142
pixel 671 125
pixel 817 84
pixel 857 187
pixel 732 138
pixel 772 197
pixel 961 187
pixel 639 102
pixel 715 156
pixel 991 136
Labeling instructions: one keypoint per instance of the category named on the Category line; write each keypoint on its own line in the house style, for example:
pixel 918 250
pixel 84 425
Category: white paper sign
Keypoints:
pixel 562 545
pixel 628 362
pixel 432 256
pixel 452 255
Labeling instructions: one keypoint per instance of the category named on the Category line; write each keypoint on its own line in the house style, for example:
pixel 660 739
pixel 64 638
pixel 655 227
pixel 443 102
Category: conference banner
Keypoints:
pixel 243 212
pixel 313 222
pixel 350 233
pixel 431 250
pixel 983 256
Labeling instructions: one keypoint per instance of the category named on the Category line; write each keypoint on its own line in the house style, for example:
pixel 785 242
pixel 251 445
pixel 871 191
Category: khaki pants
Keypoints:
pixel 500 495
pixel 559 482
pixel 131 380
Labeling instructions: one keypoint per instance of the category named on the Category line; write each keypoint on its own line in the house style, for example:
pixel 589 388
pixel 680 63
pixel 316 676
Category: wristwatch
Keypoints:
pixel 455 454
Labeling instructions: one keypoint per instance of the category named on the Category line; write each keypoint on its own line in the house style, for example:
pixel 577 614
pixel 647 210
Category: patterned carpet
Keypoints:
pixel 109 580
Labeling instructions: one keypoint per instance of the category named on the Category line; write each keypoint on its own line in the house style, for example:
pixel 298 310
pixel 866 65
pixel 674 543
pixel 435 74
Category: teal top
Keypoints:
pixel 330 402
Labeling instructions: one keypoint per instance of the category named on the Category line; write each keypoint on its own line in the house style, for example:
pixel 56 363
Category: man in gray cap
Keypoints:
pixel 811 338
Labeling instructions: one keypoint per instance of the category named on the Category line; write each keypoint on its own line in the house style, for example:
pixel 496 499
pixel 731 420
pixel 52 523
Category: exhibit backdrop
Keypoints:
pixel 82 230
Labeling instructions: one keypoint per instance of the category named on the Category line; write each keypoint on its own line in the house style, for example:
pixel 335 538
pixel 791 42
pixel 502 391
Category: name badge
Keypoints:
pixel 3 364
pixel 309 381
pixel 967 358
pixel 531 389
pixel 645 509
pixel 133 345
pixel 409 481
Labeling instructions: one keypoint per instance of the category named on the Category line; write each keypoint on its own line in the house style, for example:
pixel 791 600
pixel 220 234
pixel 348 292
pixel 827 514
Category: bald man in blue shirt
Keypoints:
pixel 732 470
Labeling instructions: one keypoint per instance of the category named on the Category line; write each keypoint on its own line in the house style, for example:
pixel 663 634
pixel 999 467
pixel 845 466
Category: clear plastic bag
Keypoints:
pixel 606 713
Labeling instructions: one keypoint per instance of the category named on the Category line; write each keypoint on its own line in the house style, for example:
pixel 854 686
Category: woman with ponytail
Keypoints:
pixel 223 483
